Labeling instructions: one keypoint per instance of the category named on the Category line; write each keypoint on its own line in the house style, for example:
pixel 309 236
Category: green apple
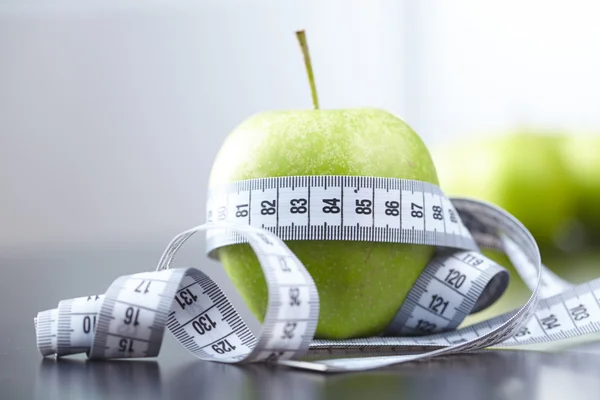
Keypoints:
pixel 582 156
pixel 361 285
pixel 522 172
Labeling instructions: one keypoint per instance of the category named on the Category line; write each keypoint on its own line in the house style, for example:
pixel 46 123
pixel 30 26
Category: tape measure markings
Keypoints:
pixel 425 284
pixel 292 312
pixel 413 214
pixel 278 257
pixel 274 257
pixel 46 331
pixel 503 330
pixel 433 340
pixel 333 195
pixel 201 323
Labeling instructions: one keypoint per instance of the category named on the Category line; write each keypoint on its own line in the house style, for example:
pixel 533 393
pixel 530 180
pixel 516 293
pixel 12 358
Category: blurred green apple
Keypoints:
pixel 522 172
pixel 361 284
pixel 582 156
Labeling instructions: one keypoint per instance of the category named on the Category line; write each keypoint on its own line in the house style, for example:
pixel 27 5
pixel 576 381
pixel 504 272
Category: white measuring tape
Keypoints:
pixel 129 319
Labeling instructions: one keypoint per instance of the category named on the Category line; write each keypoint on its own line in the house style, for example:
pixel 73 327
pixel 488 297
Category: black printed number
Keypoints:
pixel 472 260
pixel 203 324
pixel 331 207
pixel 221 213
pixel 579 312
pixel 131 316
pixel 126 345
pixel 298 206
pixel 288 330
pixel 185 297
pixel 89 323
pixel 392 208
pixel 437 213
pixel 550 322
pixel 222 347
pixel 241 210
pixel 294 297
pixel 268 207
pixel 364 206
pixel 455 278
pixel 143 287
pixel 452 215
pixel 438 304
pixel 274 356
pixel 284 266
pixel 426 326
pixel 522 332
pixel 416 210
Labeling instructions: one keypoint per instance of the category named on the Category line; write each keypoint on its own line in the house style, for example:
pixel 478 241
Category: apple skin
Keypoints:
pixel 582 156
pixel 522 172
pixel 361 285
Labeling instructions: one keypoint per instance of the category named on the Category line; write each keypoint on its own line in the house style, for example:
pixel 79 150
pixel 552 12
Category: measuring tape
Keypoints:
pixel 129 319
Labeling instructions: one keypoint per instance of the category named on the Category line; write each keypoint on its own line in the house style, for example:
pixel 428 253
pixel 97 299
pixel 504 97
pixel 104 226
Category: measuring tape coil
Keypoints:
pixel 129 319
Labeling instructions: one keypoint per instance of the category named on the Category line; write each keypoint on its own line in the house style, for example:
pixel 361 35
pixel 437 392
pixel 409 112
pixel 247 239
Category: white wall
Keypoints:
pixel 488 66
pixel 111 113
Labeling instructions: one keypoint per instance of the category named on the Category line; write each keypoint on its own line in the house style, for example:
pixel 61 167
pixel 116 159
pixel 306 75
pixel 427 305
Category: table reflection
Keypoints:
pixel 80 379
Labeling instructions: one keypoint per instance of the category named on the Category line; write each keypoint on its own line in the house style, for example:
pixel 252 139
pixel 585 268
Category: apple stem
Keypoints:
pixel 309 71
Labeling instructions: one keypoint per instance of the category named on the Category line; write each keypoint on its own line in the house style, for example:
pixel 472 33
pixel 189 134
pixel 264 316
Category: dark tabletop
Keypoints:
pixel 37 280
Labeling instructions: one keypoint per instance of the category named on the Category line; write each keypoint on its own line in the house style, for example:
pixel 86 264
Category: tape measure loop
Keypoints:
pixel 129 320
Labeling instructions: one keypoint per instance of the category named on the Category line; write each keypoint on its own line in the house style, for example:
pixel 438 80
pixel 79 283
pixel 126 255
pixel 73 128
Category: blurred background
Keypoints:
pixel 112 112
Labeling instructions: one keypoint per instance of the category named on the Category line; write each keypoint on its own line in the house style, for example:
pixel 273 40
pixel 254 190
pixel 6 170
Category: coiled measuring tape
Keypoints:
pixel 129 319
